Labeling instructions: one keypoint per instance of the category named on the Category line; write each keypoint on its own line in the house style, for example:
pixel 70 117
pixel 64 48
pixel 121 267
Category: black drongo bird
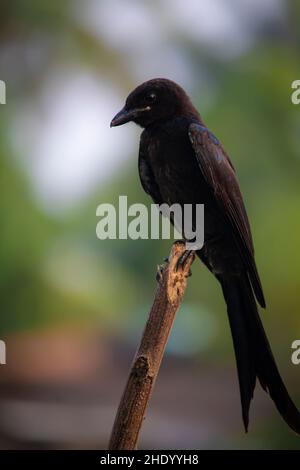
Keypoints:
pixel 181 161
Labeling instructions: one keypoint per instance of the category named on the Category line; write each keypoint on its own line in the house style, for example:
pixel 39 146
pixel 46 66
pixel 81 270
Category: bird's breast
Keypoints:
pixel 176 170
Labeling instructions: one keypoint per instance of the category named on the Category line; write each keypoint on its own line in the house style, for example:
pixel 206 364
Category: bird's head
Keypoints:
pixel 154 101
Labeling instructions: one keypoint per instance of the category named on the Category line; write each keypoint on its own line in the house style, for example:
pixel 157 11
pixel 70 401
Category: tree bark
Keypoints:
pixel 145 367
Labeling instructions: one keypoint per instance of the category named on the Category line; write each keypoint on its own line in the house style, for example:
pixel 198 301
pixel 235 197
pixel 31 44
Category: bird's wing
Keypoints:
pixel 219 173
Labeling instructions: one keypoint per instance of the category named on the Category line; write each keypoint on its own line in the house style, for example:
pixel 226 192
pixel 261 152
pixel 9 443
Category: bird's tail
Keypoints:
pixel 253 353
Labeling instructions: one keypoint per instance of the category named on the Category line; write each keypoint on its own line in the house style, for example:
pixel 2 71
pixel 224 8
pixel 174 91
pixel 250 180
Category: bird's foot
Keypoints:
pixel 159 272
pixel 160 269
pixel 183 260
pixel 180 265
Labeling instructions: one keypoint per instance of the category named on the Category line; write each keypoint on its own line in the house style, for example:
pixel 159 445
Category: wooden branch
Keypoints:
pixel 149 354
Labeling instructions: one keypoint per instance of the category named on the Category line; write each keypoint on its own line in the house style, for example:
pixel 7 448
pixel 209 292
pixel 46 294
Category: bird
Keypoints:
pixel 182 162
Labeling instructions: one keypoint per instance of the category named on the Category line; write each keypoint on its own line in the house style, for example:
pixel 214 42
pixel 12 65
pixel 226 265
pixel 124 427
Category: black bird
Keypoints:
pixel 181 161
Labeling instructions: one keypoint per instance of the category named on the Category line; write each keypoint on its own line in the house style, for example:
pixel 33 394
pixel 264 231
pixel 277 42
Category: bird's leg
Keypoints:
pixel 184 258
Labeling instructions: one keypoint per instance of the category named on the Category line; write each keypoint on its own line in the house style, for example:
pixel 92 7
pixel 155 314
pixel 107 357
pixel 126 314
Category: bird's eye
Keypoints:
pixel 151 97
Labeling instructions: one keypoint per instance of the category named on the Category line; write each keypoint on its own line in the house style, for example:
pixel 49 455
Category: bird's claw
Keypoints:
pixel 160 268
pixel 159 272
pixel 183 260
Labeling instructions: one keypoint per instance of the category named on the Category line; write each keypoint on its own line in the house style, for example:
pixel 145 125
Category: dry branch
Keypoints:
pixel 148 357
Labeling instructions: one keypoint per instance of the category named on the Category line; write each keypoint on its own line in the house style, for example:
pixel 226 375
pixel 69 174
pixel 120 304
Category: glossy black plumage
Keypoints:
pixel 181 161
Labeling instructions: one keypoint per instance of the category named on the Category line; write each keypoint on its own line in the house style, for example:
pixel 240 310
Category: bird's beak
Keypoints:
pixel 122 117
pixel 126 115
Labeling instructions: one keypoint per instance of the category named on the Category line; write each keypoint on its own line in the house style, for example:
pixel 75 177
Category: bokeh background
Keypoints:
pixel 73 307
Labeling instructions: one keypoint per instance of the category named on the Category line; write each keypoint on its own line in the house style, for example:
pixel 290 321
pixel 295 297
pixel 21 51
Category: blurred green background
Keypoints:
pixel 73 307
